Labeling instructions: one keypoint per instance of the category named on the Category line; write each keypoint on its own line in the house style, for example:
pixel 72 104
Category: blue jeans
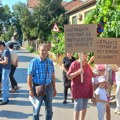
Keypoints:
pixel 48 105
pixel 101 107
pixel 5 84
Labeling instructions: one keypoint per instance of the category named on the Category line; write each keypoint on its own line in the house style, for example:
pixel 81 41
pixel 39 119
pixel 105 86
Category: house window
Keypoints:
pixel 74 20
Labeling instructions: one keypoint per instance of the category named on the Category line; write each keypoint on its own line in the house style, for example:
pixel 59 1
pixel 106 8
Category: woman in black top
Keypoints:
pixel 67 60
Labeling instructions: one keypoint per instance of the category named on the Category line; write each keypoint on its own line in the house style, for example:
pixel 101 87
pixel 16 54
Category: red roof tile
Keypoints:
pixel 75 4
pixel 32 3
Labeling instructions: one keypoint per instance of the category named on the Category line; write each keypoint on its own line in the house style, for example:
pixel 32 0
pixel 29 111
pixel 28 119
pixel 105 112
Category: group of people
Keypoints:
pixel 97 82
pixel 8 64
pixel 84 82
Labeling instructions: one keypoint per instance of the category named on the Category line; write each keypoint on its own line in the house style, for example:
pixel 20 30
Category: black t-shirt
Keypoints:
pixel 67 62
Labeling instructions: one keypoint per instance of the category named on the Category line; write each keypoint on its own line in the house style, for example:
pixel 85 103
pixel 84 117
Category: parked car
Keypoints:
pixel 16 44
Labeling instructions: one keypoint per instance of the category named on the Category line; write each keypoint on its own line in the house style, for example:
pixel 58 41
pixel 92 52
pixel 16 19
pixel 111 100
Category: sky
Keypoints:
pixel 12 2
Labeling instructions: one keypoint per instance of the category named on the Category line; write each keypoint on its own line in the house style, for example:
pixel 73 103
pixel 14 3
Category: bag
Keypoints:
pixel 40 90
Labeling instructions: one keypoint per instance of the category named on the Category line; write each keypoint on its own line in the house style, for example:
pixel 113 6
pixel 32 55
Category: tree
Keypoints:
pixel 107 11
pixel 45 15
pixel 23 20
pixel 5 18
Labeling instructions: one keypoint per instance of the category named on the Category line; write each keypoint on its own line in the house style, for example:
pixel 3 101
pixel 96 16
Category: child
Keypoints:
pixel 101 72
pixel 117 77
pixel 101 97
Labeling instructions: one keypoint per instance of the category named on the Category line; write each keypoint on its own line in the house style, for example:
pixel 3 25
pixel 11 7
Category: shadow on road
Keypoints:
pixel 20 103
pixel 14 115
pixel 25 58
pixel 21 75
pixel 20 94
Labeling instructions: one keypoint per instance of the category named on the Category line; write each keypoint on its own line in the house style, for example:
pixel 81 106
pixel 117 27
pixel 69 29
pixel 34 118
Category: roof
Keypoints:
pixel 73 5
pixel 32 3
pixel 64 3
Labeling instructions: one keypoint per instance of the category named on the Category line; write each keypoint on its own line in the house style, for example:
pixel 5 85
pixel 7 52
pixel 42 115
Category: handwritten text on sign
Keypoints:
pixel 80 38
pixel 107 51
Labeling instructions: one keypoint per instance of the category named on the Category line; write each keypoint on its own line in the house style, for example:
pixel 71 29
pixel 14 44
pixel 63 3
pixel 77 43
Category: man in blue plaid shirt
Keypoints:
pixel 41 72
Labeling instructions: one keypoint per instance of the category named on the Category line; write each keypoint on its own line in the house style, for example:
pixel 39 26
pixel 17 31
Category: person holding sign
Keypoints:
pixel 81 91
pixel 66 62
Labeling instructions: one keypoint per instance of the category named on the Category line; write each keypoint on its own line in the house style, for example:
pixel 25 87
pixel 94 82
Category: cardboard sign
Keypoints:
pixel 80 38
pixel 107 51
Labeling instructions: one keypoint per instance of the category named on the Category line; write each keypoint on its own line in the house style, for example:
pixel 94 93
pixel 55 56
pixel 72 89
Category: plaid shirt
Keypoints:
pixel 41 70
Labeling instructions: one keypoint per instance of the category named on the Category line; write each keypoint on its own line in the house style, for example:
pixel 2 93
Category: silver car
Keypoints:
pixel 16 44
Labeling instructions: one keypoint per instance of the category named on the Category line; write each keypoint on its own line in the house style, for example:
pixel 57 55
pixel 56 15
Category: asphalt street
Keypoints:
pixel 20 108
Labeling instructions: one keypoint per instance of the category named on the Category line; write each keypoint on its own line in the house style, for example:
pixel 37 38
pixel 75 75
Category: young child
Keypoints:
pixel 117 77
pixel 101 97
pixel 100 71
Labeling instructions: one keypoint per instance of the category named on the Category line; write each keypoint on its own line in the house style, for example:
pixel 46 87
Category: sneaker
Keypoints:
pixel 64 102
pixel 116 111
pixel 4 103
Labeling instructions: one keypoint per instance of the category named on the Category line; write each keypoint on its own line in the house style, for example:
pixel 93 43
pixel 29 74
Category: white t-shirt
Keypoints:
pixel 102 93
pixel 14 56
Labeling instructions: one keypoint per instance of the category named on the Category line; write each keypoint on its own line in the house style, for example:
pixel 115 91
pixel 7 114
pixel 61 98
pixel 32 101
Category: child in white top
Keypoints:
pixel 117 77
pixel 101 97
pixel 100 68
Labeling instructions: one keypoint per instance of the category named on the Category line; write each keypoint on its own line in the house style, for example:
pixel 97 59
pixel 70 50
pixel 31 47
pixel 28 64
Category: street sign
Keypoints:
pixel 56 28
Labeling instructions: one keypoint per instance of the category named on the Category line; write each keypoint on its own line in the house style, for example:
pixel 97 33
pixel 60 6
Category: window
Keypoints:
pixel 74 20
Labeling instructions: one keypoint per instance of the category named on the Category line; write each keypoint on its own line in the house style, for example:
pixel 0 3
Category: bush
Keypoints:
pixel 30 48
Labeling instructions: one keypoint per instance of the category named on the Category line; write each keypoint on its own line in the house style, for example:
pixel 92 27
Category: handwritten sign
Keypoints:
pixel 80 38
pixel 107 51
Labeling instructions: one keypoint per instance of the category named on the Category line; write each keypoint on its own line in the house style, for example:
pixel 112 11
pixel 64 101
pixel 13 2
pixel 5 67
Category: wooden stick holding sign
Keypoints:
pixel 107 72
pixel 81 59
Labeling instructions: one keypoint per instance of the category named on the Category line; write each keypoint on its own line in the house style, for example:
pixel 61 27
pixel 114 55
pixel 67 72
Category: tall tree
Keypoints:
pixel 23 19
pixel 5 16
pixel 45 14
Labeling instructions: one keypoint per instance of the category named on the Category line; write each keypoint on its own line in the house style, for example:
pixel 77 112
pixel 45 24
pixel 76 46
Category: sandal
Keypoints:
pixel 12 91
pixel 17 87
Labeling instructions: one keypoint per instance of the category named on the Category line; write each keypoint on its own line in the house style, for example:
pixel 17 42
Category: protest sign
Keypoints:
pixel 107 51
pixel 80 38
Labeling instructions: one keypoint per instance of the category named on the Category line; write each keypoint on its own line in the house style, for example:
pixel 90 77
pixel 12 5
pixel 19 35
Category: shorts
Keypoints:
pixel 80 104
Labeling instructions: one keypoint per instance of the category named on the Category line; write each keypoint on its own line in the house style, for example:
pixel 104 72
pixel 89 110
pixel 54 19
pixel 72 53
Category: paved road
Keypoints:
pixel 19 107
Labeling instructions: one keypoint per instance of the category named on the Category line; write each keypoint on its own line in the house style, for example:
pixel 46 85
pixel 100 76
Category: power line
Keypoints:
pixel 51 5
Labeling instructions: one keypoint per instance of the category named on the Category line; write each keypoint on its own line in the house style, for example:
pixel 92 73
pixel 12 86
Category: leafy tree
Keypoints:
pixel 22 19
pixel 5 17
pixel 58 42
pixel 107 11
pixel 45 14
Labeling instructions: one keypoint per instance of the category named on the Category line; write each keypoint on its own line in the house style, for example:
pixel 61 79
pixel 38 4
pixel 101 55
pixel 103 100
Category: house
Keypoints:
pixel 77 10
